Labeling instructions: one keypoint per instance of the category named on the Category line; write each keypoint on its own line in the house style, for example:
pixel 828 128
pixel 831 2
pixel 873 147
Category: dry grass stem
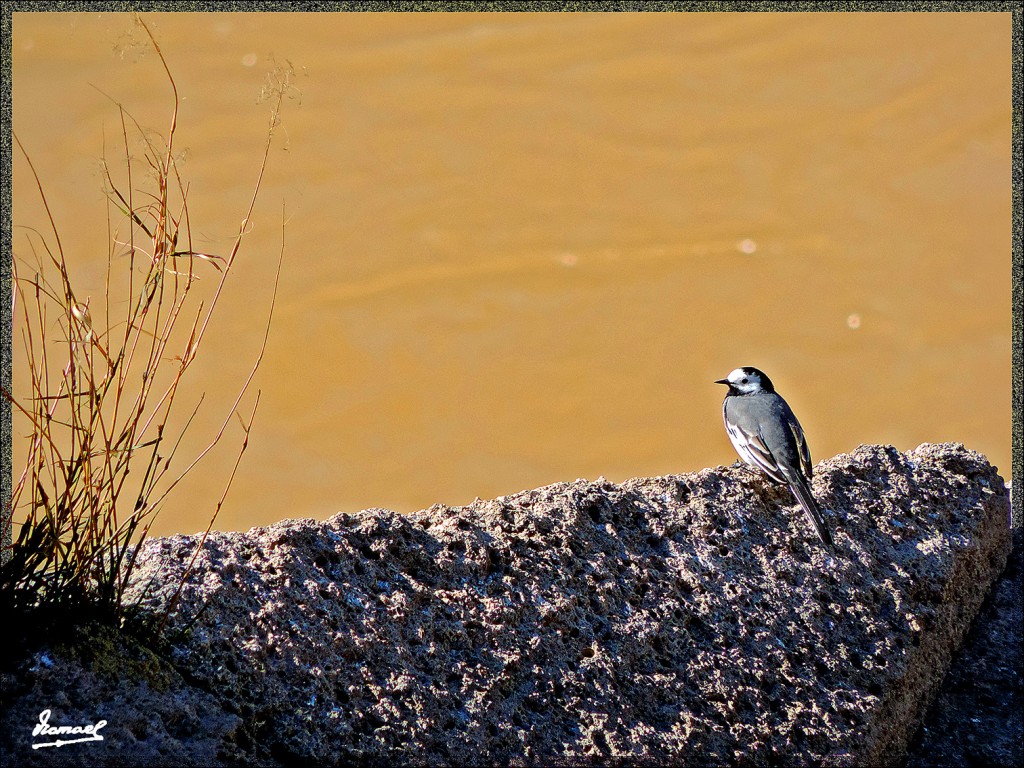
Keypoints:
pixel 101 395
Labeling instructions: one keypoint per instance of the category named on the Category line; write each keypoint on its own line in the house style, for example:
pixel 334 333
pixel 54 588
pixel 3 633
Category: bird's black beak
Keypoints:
pixel 721 381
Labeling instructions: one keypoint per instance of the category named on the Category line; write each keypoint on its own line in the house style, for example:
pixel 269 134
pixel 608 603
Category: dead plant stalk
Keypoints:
pixel 105 418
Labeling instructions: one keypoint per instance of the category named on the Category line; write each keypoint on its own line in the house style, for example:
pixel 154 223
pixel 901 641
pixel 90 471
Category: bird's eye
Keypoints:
pixel 745 380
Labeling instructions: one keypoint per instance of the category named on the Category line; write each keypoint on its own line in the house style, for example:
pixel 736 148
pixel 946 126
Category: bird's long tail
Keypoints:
pixel 803 494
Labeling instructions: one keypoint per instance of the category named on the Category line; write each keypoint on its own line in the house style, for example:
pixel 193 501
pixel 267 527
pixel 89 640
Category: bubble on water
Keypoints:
pixel 746 246
pixel 853 321
pixel 249 60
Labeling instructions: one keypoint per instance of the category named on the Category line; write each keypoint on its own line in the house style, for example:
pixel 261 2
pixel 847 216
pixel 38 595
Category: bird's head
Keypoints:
pixel 747 381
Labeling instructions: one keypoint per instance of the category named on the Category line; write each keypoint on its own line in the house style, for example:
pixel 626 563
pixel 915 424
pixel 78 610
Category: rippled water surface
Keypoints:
pixel 520 247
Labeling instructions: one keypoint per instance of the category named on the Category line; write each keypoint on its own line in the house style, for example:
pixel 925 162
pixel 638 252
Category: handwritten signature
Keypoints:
pixel 43 728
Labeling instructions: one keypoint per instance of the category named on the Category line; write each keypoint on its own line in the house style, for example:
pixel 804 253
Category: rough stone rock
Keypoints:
pixel 978 718
pixel 153 717
pixel 689 619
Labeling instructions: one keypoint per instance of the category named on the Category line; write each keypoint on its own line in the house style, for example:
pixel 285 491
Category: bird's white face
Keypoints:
pixel 745 380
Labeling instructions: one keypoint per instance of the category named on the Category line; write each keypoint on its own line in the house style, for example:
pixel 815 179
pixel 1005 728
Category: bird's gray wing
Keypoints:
pixel 760 450
pixel 752 449
pixel 801 445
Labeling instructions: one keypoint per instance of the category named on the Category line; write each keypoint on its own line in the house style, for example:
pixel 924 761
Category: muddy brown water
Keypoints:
pixel 520 247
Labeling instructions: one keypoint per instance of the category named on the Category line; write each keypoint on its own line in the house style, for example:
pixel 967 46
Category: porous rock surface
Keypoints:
pixel 689 619
pixel 978 717
pixel 153 716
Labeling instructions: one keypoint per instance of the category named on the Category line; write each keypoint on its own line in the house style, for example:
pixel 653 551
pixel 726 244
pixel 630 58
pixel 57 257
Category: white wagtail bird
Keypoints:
pixel 766 435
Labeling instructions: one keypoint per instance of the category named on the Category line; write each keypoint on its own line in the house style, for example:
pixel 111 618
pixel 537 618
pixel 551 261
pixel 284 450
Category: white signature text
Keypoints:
pixel 84 732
